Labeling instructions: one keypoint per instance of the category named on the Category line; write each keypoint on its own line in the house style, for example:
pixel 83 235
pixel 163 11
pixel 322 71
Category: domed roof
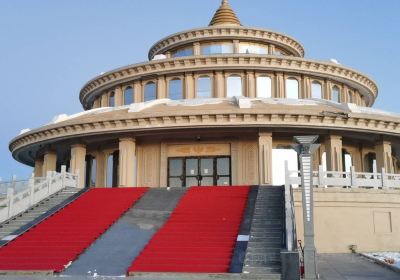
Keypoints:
pixel 224 15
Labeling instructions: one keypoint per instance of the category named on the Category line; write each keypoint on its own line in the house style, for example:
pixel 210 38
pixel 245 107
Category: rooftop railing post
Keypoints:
pixel 10 198
pixel 321 176
pixel 48 180
pixel 31 187
pixel 305 148
pixel 353 177
pixel 383 178
pixel 63 173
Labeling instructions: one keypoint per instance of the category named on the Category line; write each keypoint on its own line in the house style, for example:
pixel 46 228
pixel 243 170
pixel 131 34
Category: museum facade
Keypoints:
pixel 216 106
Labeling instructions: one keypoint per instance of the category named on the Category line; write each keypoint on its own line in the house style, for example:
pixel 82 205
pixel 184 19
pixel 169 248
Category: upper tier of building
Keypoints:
pixel 227 59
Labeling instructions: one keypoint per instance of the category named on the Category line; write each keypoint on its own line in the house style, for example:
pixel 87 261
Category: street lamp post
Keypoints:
pixel 305 147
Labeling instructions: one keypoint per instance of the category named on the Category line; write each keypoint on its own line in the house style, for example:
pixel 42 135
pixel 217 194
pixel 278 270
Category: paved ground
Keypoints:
pixel 352 267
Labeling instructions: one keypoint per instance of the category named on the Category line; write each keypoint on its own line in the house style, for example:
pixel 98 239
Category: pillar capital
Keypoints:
pixel 78 146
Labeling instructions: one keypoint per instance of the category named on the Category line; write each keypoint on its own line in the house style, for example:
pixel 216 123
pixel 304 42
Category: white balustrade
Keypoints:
pixel 38 188
pixel 350 179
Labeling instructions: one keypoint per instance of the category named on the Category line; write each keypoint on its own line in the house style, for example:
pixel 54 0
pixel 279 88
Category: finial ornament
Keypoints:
pixel 224 15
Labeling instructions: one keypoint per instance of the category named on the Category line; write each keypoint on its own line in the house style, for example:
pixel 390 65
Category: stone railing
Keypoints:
pixel 21 195
pixel 351 179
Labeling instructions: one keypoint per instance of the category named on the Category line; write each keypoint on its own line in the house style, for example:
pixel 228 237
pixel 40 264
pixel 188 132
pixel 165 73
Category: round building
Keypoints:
pixel 216 106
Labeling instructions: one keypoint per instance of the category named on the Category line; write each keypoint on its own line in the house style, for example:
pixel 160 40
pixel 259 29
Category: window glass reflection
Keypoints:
pixel 234 86
pixel 111 100
pixel 252 48
pixel 128 96
pixel 335 94
pixel 204 87
pixel 150 92
pixel 175 89
pixel 217 48
pixel 292 89
pixel 183 52
pixel 264 87
pixel 316 90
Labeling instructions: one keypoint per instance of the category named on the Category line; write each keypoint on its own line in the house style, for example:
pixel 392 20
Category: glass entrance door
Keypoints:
pixel 199 171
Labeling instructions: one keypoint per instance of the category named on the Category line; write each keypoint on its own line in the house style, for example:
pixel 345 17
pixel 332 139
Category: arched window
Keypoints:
pixel 150 91
pixel 264 87
pixel 335 94
pixel 292 88
pixel 175 89
pixel 128 96
pixel 111 99
pixel 204 89
pixel 234 86
pixel 316 90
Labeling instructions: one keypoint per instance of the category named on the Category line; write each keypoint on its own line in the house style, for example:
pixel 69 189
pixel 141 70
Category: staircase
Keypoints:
pixel 266 234
pixel 10 226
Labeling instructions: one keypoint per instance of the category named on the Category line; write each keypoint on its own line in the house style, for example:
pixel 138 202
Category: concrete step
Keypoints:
pixel 274 256
pixel 261 270
pixel 256 250
pixel 263 263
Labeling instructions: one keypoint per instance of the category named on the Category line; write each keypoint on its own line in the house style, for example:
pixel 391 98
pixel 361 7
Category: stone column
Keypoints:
pixel 38 170
pixel 119 99
pixel 383 150
pixel 96 103
pixel 78 154
pixel 219 84
pixel 236 46
pixel 250 85
pixel 127 168
pixel 100 169
pixel 138 92
pixel 49 161
pixel 104 100
pixel 189 86
pixel 326 93
pixel 196 48
pixel 333 148
pixel 306 88
pixel 280 87
pixel 265 158
pixel 161 88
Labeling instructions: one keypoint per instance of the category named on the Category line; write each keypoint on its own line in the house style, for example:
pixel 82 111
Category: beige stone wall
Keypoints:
pixel 148 165
pixel 369 219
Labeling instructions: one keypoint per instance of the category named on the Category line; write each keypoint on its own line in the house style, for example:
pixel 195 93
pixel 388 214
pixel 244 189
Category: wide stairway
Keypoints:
pixel 8 227
pixel 57 241
pixel 266 234
pixel 200 235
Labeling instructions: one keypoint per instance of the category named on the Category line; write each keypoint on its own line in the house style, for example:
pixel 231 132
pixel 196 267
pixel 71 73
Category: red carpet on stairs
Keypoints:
pixel 61 238
pixel 200 235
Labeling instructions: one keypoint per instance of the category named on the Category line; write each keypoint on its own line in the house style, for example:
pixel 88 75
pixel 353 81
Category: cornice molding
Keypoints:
pixel 227 32
pixel 224 119
pixel 335 72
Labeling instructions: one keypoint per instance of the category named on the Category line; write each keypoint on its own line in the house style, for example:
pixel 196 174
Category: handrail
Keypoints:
pixel 37 189
pixel 353 179
pixel 290 220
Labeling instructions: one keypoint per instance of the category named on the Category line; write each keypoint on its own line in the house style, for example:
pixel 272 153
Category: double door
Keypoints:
pixel 199 171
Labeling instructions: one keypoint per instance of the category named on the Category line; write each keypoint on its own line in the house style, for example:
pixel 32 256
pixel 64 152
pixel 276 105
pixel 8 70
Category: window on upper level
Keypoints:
pixel 111 99
pixel 292 88
pixel 188 51
pixel 150 91
pixel 253 48
pixel 128 96
pixel 204 87
pixel 216 48
pixel 175 89
pixel 316 90
pixel 234 86
pixel 335 94
pixel 264 87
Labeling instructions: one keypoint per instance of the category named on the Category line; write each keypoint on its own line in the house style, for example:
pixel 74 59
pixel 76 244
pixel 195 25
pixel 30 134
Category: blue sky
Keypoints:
pixel 49 49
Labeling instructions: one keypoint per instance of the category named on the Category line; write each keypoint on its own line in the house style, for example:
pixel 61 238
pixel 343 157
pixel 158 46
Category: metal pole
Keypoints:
pixel 305 149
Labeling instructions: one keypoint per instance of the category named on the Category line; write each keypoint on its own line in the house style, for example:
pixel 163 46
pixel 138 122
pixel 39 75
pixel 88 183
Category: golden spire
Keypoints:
pixel 224 15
